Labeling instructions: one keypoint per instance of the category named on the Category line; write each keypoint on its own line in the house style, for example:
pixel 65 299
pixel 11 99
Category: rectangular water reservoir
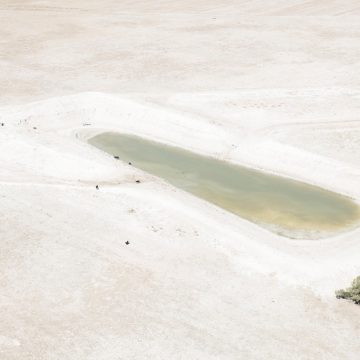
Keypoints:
pixel 286 207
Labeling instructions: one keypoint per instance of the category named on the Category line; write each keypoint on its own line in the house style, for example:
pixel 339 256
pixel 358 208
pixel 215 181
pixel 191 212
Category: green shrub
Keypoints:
pixel 352 293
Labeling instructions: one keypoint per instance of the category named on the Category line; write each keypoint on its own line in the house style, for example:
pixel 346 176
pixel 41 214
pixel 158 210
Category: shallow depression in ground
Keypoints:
pixel 286 207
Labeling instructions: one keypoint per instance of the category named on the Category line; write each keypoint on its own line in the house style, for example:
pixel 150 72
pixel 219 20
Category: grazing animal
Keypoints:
pixel 130 163
pixel 34 127
pixel 2 124
pixel 127 242
pixel 116 157
pixel 138 181
pixel 97 187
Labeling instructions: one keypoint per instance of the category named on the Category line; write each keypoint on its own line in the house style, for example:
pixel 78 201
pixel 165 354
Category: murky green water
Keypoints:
pixel 287 207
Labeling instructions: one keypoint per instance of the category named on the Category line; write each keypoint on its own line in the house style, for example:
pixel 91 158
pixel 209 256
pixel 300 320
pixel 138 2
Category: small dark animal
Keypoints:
pixel 97 187
pixel 127 242
pixel 2 124
pixel 34 127
pixel 116 157
pixel 130 163
pixel 138 181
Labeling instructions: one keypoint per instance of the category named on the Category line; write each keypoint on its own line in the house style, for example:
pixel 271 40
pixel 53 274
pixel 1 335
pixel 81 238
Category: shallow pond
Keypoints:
pixel 286 207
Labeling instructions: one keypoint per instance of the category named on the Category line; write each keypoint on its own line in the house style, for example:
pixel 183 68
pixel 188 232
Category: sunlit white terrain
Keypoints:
pixel 270 84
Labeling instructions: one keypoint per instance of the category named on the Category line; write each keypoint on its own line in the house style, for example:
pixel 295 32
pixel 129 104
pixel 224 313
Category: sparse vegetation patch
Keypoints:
pixel 352 293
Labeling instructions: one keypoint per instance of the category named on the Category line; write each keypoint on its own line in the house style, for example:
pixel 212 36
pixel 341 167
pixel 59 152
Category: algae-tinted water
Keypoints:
pixel 284 206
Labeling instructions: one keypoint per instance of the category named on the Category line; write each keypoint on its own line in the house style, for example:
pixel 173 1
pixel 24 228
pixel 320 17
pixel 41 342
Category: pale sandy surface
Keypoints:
pixel 271 84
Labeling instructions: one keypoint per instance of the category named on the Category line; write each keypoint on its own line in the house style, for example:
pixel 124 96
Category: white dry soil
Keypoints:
pixel 271 84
